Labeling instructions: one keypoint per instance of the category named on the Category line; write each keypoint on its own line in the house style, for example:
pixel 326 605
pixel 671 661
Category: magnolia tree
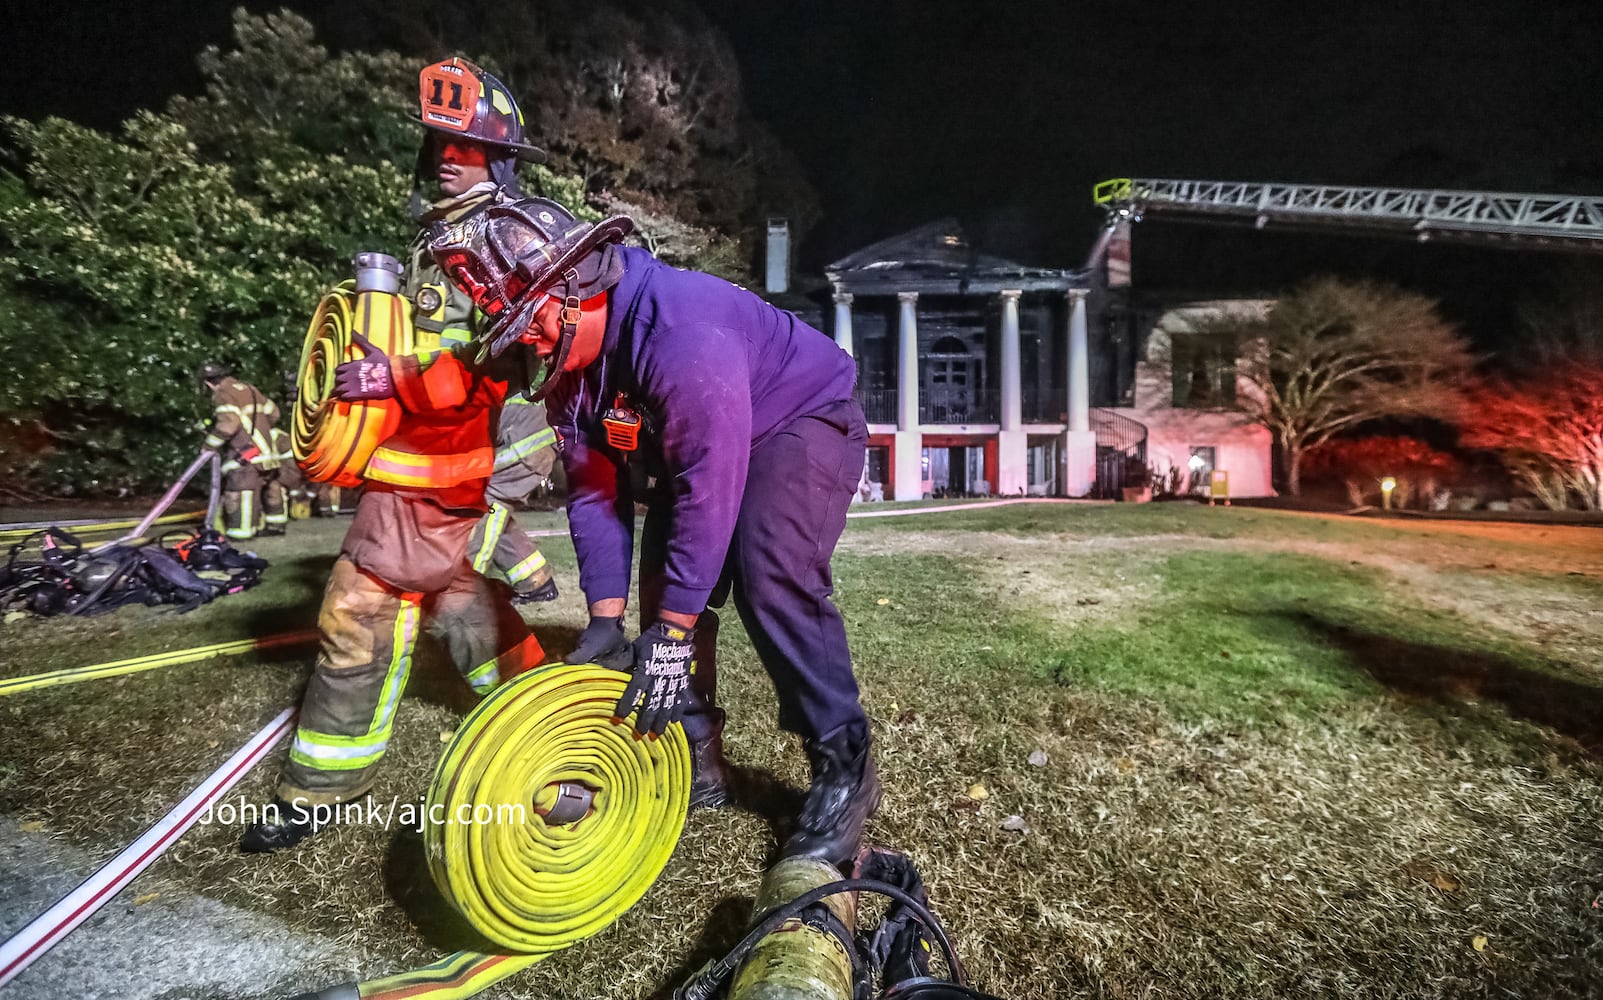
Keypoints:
pixel 1547 428
pixel 681 243
pixel 208 230
pixel 1333 355
pixel 643 102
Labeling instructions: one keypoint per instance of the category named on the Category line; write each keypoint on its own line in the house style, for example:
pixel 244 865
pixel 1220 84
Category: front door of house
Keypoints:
pixel 951 374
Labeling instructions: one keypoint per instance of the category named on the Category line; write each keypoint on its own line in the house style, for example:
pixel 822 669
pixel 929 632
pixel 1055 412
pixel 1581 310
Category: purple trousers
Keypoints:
pixel 792 512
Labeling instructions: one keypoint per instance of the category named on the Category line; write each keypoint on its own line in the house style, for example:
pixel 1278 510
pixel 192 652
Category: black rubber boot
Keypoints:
pixel 844 793
pixel 709 774
pixel 282 826
pixel 547 591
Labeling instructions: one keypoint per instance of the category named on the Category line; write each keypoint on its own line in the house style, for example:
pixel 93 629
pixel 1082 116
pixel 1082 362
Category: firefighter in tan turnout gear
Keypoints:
pixel 243 421
pixel 406 563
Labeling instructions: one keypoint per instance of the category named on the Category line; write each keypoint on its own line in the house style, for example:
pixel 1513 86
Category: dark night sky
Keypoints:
pixel 1004 114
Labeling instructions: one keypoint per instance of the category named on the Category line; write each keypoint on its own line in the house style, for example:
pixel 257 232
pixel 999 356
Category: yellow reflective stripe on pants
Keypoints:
pixel 486 677
pixel 495 523
pixel 245 526
pixel 527 568
pixel 328 752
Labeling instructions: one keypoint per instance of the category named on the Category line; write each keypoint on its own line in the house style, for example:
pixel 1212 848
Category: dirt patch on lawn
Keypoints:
pixel 1541 584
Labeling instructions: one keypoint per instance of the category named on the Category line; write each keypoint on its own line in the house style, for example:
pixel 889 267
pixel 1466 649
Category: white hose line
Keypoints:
pixel 42 934
pixel 956 508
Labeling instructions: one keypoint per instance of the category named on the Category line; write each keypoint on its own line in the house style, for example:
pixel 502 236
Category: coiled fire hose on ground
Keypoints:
pixel 333 440
pixel 546 821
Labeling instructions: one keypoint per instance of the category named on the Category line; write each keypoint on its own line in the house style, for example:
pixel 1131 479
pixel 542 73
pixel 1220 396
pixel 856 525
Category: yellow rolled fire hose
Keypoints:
pixel 546 821
pixel 334 440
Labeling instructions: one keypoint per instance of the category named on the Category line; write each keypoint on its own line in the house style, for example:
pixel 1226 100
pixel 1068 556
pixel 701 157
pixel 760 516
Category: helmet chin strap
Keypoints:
pixel 569 317
pixel 503 170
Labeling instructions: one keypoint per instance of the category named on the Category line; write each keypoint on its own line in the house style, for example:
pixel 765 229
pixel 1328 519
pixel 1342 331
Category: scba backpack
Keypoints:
pixel 64 579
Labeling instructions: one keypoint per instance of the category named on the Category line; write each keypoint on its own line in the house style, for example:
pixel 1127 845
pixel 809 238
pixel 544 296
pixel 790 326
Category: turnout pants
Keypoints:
pixel 275 506
pixel 792 512
pixel 242 513
pixel 499 545
pixel 369 630
pixel 297 493
pixel 252 496
pixel 327 499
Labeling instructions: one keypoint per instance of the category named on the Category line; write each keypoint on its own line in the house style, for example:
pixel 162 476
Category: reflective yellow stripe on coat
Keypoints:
pixel 405 468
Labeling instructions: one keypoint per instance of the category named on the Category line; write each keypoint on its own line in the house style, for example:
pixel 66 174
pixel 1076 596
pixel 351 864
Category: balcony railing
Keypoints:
pixel 964 406
pixel 879 405
pixel 950 405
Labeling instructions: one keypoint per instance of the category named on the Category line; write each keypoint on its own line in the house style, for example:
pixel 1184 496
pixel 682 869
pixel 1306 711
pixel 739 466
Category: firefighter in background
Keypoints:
pixel 305 499
pixel 297 492
pixel 243 421
pixel 404 563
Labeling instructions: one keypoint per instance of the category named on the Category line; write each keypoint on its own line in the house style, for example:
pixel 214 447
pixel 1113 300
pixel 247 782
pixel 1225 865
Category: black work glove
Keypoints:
pixel 365 378
pixel 664 657
pixel 603 642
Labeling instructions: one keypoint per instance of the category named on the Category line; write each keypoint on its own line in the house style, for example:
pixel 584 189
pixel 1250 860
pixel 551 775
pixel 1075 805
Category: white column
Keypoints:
pixel 1012 381
pixel 907 364
pixel 909 441
pixel 1012 444
pixel 1079 364
pixel 843 321
pixel 1079 441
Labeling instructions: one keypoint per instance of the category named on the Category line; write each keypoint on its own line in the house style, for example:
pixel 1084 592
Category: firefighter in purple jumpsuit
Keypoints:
pixel 744 417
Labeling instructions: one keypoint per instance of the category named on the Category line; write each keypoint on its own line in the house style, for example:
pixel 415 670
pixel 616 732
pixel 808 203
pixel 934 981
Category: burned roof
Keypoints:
pixel 937 258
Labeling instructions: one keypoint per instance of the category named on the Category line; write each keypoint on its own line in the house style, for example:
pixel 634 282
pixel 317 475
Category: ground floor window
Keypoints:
pixel 1201 465
pixel 879 464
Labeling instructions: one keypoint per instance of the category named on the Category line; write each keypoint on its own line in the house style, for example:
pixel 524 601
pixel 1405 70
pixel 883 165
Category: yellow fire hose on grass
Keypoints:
pixel 17 532
pixel 333 440
pixel 546 821
pixel 117 668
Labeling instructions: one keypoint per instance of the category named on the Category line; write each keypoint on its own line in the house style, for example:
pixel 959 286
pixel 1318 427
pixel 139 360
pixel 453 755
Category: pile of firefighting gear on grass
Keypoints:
pixel 50 572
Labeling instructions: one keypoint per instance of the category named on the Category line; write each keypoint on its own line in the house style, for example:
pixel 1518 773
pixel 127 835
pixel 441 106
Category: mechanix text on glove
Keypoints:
pixel 664 659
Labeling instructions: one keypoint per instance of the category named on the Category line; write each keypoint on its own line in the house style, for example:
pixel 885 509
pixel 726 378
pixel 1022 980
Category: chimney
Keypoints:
pixel 778 255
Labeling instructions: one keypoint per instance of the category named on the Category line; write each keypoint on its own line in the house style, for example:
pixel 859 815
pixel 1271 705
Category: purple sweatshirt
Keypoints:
pixel 714 372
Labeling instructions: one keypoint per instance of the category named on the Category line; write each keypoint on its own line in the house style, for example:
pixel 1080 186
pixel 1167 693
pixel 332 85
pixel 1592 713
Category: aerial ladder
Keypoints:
pixel 1540 221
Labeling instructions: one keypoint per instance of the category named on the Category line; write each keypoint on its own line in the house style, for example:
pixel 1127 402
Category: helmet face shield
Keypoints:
pixel 496 256
pixel 510 258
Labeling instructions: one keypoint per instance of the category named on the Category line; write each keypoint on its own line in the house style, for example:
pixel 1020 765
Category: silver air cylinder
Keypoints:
pixel 377 272
pixel 798 961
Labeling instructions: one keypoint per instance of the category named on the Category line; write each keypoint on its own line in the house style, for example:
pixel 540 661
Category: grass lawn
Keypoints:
pixel 1254 754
